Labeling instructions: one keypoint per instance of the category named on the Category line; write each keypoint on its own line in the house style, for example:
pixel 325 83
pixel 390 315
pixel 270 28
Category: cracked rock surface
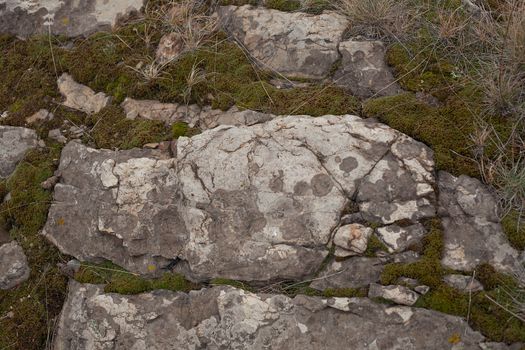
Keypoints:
pixel 14 143
pixel 229 318
pixel 81 97
pixel 294 44
pixel 13 265
pixel 273 193
pixel 472 232
pixel 63 17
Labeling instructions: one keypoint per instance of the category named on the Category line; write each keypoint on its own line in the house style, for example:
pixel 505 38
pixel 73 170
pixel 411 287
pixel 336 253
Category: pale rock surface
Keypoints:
pixel 14 143
pixel 229 318
pixel 398 294
pixel 171 45
pixel 398 238
pixel 472 232
pixel 64 17
pixel 363 69
pixel 13 265
pixel 273 193
pixel 81 97
pixel 295 44
pixel 352 238
pixel 463 283
pixel 41 115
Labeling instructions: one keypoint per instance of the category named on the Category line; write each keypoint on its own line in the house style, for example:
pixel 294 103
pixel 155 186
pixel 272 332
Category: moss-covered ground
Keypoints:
pixel 440 108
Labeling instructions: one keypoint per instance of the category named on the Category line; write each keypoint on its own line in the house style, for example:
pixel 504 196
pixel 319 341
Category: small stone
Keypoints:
pixel 152 145
pixel 408 282
pixel 13 265
pixel 170 47
pixel 50 183
pixel 422 289
pixel 14 143
pixel 398 294
pixel 56 135
pixel 41 115
pixel 463 283
pixel 81 97
pixel 353 238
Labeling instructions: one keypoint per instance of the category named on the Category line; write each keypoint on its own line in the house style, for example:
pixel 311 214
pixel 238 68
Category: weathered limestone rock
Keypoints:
pixel 294 44
pixel 398 238
pixel 358 271
pixel 205 118
pixel 57 135
pixel 65 17
pixel 14 143
pixel 229 318
pixel 273 193
pixel 13 265
pixel 398 294
pixel 463 283
pixel 472 232
pixel 41 115
pixel 363 69
pixel 81 97
pixel 352 239
pixel 170 47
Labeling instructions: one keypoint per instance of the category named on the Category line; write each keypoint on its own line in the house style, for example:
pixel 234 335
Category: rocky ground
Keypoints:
pixel 182 175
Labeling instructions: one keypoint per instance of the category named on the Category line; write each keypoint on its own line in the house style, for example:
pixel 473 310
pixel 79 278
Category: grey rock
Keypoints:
pixel 472 232
pixel 204 118
pixel 41 115
pixel 398 294
pixel 463 283
pixel 407 282
pixel 398 238
pixel 50 183
pixel 422 289
pixel 13 265
pixel 363 69
pixel 353 238
pixel 229 318
pixel 14 143
pixel 57 135
pixel 81 97
pixel 170 46
pixel 294 44
pixel 64 17
pixel 273 193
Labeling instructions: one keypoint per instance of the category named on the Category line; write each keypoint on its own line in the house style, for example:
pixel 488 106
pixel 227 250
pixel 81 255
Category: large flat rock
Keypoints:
pixel 67 17
pixel 252 203
pixel 295 44
pixel 14 143
pixel 229 318
pixel 13 265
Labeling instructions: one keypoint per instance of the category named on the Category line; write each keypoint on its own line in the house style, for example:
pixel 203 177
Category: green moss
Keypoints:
pixel 345 292
pixel 118 280
pixel 491 279
pixel 36 302
pixel 237 2
pixel 283 5
pixel 514 229
pixel 233 283
pixel 111 129
pixel 374 245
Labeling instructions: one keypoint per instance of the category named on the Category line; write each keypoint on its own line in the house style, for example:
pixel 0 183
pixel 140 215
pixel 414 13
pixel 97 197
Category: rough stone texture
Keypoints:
pixel 65 17
pixel 229 318
pixel 294 44
pixel 204 118
pixel 353 239
pixel 398 294
pixel 273 193
pixel 81 97
pixel 363 69
pixel 13 265
pixel 14 143
pixel 170 47
pixel 398 238
pixel 463 283
pixel 472 232
pixel 41 115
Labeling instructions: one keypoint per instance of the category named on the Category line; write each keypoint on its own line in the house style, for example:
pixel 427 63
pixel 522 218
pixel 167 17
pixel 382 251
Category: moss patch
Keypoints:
pixel 36 303
pixel 283 5
pixel 374 245
pixel 515 233
pixel 233 283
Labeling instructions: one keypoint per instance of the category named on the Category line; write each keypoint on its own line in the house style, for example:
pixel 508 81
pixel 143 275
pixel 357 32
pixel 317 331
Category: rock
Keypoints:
pixel 50 183
pixel 398 294
pixel 272 192
pixel 471 228
pixel 294 44
pixel 407 282
pixel 41 115
pixel 56 135
pixel 171 45
pixel 352 238
pixel 398 238
pixel 422 289
pixel 363 69
pixel 205 118
pixel 13 265
pixel 358 271
pixel 463 283
pixel 62 17
pixel 14 143
pixel 228 318
pixel 81 97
